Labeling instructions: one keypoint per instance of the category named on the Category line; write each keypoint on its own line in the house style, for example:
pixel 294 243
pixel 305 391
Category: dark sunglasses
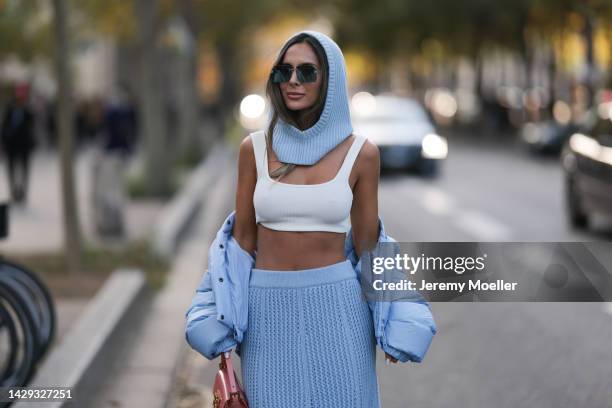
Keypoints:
pixel 305 73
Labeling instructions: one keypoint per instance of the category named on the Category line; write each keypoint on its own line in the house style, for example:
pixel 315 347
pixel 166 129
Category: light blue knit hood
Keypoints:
pixel 307 147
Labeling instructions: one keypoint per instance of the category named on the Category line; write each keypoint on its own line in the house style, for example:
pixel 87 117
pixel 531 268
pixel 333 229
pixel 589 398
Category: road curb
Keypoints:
pixel 176 215
pixel 68 361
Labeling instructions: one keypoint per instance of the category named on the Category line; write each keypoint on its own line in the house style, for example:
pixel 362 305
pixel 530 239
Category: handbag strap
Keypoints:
pixel 230 370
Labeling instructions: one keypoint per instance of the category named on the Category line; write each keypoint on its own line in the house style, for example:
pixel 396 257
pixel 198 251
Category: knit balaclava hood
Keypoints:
pixel 307 147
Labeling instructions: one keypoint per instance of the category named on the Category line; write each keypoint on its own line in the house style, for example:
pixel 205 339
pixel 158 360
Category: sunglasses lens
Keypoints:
pixel 281 73
pixel 307 73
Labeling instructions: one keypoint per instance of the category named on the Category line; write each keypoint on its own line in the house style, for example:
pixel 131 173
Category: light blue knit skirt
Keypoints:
pixel 310 340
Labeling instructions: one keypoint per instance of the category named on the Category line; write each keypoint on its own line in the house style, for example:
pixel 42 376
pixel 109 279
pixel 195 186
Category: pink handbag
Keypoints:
pixel 227 392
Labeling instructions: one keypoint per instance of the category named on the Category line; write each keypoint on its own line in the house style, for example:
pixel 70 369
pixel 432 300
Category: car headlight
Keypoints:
pixel 434 147
pixel 585 145
pixel 590 148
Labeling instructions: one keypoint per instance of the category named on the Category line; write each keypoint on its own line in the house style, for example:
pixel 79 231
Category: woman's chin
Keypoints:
pixel 295 105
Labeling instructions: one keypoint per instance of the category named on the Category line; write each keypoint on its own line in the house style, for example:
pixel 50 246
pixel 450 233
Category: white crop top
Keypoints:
pixel 303 207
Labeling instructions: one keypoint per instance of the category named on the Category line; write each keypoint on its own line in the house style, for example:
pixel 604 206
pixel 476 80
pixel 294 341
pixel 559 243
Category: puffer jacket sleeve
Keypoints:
pixel 404 328
pixel 409 330
pixel 203 331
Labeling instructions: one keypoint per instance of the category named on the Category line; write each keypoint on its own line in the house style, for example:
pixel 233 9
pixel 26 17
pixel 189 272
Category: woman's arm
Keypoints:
pixel 364 212
pixel 245 229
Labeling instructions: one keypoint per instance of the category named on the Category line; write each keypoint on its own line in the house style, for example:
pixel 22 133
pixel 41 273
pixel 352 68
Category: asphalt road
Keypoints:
pixel 498 354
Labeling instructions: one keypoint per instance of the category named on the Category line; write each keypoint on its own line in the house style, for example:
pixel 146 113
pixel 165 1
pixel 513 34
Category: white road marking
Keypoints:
pixel 607 307
pixel 481 226
pixel 477 224
pixel 437 201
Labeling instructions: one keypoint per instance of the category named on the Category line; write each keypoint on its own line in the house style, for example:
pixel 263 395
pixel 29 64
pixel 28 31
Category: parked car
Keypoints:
pixel 401 129
pixel 587 162
pixel 547 137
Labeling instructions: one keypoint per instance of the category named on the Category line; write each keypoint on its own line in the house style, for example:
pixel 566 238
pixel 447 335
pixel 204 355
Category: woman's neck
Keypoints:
pixel 301 119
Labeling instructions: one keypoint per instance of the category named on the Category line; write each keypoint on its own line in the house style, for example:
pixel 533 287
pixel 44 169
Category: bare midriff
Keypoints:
pixel 295 250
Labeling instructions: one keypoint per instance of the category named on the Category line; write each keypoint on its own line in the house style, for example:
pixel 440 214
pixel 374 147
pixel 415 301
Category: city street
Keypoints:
pixel 498 354
pixel 485 354
pixel 487 191
pixel 493 121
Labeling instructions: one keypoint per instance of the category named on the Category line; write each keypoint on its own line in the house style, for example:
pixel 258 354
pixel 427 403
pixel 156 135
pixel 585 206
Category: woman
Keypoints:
pixel 310 338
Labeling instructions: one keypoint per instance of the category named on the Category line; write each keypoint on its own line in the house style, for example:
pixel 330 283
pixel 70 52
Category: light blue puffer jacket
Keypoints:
pixel 217 317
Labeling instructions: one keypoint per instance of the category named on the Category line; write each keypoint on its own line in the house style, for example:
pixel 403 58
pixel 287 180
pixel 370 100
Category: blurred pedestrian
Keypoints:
pixel 50 126
pixel 89 121
pixel 119 134
pixel 18 142
pixel 117 144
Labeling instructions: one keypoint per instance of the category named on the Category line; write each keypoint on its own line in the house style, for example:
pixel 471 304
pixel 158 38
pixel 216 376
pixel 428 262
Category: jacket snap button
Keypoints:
pixel 220 245
pixel 220 279
pixel 228 221
pixel 222 317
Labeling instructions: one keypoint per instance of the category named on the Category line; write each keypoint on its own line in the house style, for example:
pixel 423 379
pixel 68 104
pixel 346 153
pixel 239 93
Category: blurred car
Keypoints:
pixel 587 162
pixel 402 130
pixel 547 137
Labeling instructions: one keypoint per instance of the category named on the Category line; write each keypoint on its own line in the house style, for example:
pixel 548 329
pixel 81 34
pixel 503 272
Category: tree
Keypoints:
pixel 152 125
pixel 227 25
pixel 25 43
pixel 189 102
pixel 72 232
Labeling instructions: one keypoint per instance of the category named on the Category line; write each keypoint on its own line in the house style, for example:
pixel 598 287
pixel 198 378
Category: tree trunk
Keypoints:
pixel 552 74
pixel 72 233
pixel 151 110
pixel 230 82
pixel 479 72
pixel 526 51
pixel 189 110
pixel 587 33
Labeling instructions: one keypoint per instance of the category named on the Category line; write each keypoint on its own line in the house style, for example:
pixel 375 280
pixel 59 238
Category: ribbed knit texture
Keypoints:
pixel 307 147
pixel 310 340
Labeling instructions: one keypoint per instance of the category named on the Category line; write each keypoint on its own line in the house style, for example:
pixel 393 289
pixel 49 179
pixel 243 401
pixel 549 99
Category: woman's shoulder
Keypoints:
pixel 246 152
pixel 369 152
pixel 246 145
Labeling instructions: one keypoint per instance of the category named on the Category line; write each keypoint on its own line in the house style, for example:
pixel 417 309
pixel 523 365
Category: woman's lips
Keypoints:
pixel 294 95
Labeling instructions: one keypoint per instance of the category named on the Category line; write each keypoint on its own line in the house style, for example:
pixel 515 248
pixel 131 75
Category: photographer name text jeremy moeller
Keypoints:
pixel 406 284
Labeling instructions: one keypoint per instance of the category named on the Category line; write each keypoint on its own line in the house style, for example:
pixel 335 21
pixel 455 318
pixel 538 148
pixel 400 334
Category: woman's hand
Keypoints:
pixel 390 358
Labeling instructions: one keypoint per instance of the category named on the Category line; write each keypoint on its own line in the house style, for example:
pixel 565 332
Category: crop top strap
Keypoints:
pixel 350 157
pixel 259 148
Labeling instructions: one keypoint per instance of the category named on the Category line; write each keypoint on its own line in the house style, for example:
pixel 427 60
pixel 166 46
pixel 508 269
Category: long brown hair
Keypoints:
pixel 302 120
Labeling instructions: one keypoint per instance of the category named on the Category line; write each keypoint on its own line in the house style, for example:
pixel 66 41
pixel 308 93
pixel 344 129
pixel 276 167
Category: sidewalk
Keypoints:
pixel 192 383
pixel 38 225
